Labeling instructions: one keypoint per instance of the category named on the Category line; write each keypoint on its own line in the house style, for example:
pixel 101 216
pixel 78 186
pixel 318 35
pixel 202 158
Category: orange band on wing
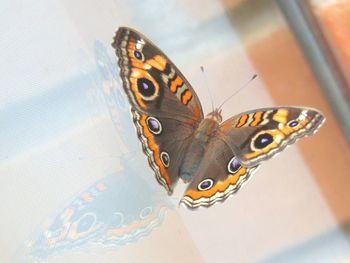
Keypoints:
pixel 175 84
pixel 242 120
pixel 280 116
pixel 157 62
pixel 257 118
pixel 155 149
pixel 186 96
pixel 220 186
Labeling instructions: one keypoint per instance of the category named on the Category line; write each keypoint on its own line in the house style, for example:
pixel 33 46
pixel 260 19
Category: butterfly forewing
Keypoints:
pixel 258 135
pixel 151 81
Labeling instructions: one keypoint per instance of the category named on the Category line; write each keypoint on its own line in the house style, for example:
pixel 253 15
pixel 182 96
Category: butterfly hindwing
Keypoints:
pixel 258 135
pixel 163 145
pixel 219 176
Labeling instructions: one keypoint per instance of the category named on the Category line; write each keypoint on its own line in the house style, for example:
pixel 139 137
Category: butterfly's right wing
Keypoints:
pixel 218 176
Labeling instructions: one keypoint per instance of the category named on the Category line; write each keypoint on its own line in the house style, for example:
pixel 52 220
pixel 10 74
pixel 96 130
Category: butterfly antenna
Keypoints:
pixel 206 85
pixel 237 91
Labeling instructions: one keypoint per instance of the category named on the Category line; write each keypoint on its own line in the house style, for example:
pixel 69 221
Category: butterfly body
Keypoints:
pixel 196 149
pixel 215 157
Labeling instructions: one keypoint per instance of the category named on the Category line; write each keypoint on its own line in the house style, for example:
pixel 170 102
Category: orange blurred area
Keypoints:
pixel 333 18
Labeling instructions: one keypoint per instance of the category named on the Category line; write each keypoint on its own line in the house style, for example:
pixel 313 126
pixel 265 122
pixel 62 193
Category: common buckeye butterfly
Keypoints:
pixel 215 158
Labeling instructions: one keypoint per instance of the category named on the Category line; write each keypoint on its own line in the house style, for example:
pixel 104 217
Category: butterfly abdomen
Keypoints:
pixel 196 149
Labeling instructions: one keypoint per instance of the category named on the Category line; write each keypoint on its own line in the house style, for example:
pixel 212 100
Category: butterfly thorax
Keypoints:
pixel 195 151
pixel 208 126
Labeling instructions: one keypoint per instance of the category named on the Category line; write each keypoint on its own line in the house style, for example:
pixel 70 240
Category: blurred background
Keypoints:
pixel 74 183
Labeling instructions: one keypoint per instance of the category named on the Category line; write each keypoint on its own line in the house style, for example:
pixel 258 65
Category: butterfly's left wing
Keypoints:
pixel 218 176
pixel 258 135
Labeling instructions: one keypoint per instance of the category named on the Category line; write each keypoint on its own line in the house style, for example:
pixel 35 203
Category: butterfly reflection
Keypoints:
pixel 116 210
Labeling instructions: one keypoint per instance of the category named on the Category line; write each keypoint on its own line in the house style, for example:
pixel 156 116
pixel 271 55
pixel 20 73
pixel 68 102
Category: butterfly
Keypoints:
pixel 214 157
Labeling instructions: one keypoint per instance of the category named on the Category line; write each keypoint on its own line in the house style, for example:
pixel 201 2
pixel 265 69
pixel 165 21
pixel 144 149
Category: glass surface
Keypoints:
pixel 74 183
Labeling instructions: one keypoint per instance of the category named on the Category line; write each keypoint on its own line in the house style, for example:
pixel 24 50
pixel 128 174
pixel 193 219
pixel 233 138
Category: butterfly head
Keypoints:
pixel 215 115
